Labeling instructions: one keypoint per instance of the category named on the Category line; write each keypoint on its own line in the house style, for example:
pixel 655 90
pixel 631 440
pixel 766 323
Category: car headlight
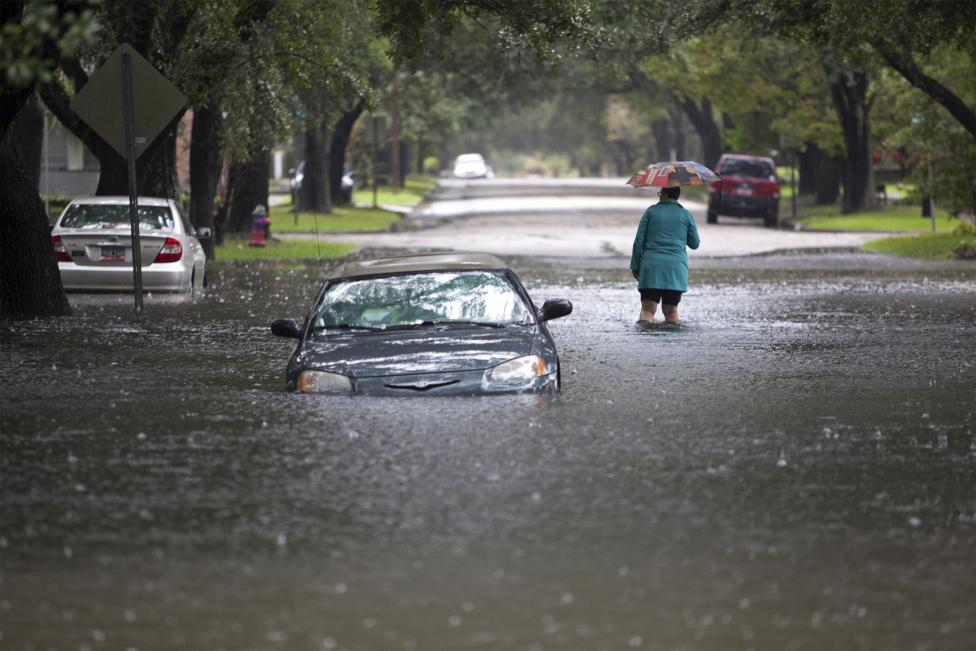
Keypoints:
pixel 323 382
pixel 518 371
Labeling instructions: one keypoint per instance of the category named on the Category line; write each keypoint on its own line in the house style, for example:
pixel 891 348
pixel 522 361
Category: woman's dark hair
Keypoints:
pixel 671 193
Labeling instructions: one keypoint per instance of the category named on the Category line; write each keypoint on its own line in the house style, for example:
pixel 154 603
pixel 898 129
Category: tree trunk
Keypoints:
pixel 848 90
pixel 662 139
pixel 806 161
pixel 28 136
pixel 315 184
pixel 827 177
pixel 703 119
pixel 155 168
pixel 247 188
pixel 680 142
pixel 30 284
pixel 337 151
pixel 205 163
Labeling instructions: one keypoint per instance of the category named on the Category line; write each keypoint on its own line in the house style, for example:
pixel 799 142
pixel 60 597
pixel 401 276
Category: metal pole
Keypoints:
pixel 796 162
pixel 396 136
pixel 130 150
pixel 376 153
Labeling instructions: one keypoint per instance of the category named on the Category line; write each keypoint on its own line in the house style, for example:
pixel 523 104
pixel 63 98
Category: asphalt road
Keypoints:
pixel 569 218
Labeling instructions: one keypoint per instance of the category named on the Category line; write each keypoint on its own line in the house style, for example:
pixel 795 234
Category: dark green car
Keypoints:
pixel 437 324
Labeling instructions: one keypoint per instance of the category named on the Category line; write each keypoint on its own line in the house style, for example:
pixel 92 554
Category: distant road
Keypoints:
pixel 572 218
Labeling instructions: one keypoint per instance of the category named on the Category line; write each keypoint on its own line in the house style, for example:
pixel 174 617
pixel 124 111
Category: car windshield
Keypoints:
pixel 116 216
pixel 421 299
pixel 754 169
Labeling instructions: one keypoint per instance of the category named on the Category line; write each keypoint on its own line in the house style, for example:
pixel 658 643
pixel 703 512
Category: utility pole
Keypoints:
pixel 395 137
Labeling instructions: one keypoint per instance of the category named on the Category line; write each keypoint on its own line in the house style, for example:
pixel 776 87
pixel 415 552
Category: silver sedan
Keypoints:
pixel 92 239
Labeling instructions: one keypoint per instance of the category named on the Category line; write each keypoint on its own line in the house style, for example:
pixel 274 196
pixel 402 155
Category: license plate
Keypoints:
pixel 113 254
pixel 745 192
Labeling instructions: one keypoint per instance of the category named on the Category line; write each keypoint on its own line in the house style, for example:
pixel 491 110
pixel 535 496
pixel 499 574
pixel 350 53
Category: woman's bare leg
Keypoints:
pixel 670 313
pixel 648 309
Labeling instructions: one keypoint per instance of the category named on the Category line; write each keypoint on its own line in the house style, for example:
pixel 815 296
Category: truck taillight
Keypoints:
pixel 172 251
pixel 62 253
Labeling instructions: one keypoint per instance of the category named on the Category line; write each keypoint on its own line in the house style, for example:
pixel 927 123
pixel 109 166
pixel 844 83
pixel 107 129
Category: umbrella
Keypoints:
pixel 675 173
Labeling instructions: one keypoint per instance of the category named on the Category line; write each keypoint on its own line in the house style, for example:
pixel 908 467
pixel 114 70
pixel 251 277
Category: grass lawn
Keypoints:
pixel 238 249
pixel 412 193
pixel 937 246
pixel 890 218
pixel 342 220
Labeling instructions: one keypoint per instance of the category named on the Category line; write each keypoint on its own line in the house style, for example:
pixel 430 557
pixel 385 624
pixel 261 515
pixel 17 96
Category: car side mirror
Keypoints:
pixel 554 308
pixel 286 328
pixel 203 233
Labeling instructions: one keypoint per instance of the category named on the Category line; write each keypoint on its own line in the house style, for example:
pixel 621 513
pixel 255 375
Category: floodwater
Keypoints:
pixel 794 467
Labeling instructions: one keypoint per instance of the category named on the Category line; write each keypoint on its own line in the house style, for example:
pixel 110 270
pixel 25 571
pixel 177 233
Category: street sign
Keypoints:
pixel 128 103
pixel 155 101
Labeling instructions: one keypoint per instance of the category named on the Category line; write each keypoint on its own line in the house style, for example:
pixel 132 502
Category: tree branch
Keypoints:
pixel 912 73
pixel 72 68
pixel 57 101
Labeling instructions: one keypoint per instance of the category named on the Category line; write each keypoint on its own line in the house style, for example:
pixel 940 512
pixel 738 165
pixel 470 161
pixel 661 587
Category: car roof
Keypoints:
pixel 418 264
pixel 470 157
pixel 749 157
pixel 114 200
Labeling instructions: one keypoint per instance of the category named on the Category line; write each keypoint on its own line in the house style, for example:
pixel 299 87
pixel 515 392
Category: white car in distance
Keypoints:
pixel 471 166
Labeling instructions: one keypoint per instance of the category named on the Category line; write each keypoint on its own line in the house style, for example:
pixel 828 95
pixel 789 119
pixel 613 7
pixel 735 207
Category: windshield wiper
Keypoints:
pixel 346 326
pixel 484 324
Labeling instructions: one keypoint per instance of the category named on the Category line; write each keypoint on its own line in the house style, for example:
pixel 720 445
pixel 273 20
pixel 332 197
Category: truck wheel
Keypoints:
pixel 771 220
pixel 712 216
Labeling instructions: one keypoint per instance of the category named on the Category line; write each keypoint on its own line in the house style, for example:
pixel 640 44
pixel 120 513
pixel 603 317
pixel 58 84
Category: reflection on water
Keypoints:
pixel 793 467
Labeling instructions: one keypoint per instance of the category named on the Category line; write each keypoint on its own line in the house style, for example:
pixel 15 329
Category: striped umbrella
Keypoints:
pixel 675 173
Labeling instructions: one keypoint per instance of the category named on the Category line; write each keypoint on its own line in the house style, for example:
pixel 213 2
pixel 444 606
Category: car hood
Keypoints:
pixel 455 349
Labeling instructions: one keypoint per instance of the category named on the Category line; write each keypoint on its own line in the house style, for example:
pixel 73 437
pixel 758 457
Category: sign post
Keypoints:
pixel 128 104
pixel 128 118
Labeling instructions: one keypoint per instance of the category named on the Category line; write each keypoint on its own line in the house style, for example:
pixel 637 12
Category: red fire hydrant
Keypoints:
pixel 259 226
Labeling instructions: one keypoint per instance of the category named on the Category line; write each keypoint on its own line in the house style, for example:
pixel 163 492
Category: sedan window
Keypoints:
pixel 753 169
pixel 116 216
pixel 409 300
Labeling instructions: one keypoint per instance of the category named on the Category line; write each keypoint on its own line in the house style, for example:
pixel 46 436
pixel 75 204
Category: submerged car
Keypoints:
pixel 93 243
pixel 436 324
pixel 749 188
pixel 471 166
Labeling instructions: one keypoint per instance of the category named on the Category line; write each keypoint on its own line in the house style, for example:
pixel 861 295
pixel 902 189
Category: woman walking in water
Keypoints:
pixel 659 261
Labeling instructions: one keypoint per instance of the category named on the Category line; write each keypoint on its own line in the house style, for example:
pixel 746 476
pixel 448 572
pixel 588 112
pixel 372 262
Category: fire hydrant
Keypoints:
pixel 259 226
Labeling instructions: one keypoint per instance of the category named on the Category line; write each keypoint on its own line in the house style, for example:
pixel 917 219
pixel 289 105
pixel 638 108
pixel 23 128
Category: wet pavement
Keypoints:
pixel 581 231
pixel 794 467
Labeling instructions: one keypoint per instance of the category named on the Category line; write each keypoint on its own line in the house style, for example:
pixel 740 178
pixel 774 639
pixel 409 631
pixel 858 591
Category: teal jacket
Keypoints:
pixel 659 248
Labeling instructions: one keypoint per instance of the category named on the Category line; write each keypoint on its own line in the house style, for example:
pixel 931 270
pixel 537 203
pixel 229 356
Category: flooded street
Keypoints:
pixel 794 467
